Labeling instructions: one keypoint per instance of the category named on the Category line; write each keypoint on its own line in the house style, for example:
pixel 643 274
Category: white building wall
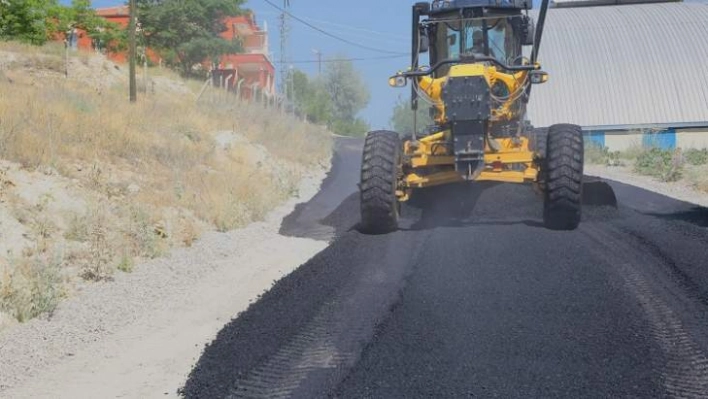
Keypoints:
pixel 692 138
pixel 623 140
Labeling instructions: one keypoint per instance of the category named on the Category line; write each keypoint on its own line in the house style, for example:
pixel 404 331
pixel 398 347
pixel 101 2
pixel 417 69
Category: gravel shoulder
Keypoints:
pixel 677 190
pixel 139 336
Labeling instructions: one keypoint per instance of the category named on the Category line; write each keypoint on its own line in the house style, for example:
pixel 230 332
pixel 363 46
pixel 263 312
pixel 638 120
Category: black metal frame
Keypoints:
pixel 419 9
pixel 468 59
pixel 424 8
pixel 539 31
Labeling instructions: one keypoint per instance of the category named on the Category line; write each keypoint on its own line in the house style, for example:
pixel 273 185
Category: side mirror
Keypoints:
pixel 397 81
pixel 528 31
pixel 538 77
pixel 423 44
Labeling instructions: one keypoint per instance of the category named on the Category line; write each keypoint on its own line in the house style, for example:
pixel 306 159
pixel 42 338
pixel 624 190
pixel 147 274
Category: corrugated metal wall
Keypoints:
pixel 624 65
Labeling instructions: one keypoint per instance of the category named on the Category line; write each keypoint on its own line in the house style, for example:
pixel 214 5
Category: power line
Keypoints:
pixel 359 36
pixel 355 28
pixel 324 32
pixel 385 57
pixel 371 32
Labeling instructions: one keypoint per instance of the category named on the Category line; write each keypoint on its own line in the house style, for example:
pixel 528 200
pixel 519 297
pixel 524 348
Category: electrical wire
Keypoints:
pixel 372 33
pixel 370 38
pixel 385 57
pixel 333 36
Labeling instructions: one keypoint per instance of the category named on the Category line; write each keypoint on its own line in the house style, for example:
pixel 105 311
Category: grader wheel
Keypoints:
pixel 563 177
pixel 379 179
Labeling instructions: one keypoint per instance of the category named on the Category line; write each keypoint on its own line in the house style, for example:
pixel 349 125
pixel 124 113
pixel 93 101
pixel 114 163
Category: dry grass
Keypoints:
pixel 688 166
pixel 633 152
pixel 153 173
pixel 48 58
pixel 697 176
pixel 165 141
pixel 55 49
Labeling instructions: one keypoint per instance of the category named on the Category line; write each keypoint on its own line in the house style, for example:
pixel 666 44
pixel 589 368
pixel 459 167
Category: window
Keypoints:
pixel 500 37
pixel 474 37
pixel 467 36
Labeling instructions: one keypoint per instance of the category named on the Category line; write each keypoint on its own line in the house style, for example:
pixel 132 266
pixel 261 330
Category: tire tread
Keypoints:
pixel 563 177
pixel 379 174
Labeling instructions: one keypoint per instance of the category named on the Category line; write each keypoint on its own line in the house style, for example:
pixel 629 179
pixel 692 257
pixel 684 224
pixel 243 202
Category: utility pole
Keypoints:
pixel 66 57
pixel 145 70
pixel 132 51
pixel 292 85
pixel 284 51
pixel 319 61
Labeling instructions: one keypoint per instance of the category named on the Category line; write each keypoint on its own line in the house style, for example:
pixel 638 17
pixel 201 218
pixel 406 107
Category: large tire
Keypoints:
pixel 563 175
pixel 379 178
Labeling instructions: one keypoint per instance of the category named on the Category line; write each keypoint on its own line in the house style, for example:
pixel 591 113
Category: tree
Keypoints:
pixel 402 118
pixel 186 32
pixel 333 99
pixel 310 97
pixel 27 20
pixel 81 15
pixel 36 21
pixel 347 90
pixel 348 95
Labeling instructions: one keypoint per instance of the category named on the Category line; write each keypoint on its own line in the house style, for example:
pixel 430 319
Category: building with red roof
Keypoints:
pixel 249 73
pixel 253 69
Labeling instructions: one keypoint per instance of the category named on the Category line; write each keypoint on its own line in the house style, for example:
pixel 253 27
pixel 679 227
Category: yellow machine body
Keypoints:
pixel 428 161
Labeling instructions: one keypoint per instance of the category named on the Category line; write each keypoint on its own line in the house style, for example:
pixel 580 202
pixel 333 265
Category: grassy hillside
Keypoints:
pixel 90 184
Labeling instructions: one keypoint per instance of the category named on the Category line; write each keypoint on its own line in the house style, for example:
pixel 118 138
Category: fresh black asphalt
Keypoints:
pixel 488 304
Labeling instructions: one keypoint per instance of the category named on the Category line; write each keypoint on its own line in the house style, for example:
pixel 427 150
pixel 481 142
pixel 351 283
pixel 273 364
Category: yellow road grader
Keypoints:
pixel 477 87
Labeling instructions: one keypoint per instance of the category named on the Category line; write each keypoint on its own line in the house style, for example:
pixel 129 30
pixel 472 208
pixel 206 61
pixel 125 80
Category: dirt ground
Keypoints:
pixel 140 335
pixel 680 190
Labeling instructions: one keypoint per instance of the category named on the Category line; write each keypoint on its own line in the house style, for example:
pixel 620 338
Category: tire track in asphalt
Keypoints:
pixel 327 311
pixel 324 350
pixel 685 365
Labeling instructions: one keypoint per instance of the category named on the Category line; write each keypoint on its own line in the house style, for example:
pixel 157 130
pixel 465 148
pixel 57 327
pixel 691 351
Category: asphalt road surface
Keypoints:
pixel 489 304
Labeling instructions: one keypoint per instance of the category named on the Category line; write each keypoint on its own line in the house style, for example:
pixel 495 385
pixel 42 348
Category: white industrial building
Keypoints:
pixel 629 74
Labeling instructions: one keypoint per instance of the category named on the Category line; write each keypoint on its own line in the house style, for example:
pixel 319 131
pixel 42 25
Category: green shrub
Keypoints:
pixel 595 154
pixel 33 287
pixel 632 152
pixel 599 155
pixel 126 264
pixel 666 165
pixel 696 157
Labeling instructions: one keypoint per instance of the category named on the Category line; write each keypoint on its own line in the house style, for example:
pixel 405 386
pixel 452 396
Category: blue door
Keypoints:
pixel 666 139
pixel 595 137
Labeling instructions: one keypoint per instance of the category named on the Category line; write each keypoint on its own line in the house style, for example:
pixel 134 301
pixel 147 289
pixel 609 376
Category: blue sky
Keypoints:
pixel 374 23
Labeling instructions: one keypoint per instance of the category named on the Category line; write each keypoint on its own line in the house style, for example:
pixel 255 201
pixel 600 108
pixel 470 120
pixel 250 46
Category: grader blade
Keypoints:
pixel 597 192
